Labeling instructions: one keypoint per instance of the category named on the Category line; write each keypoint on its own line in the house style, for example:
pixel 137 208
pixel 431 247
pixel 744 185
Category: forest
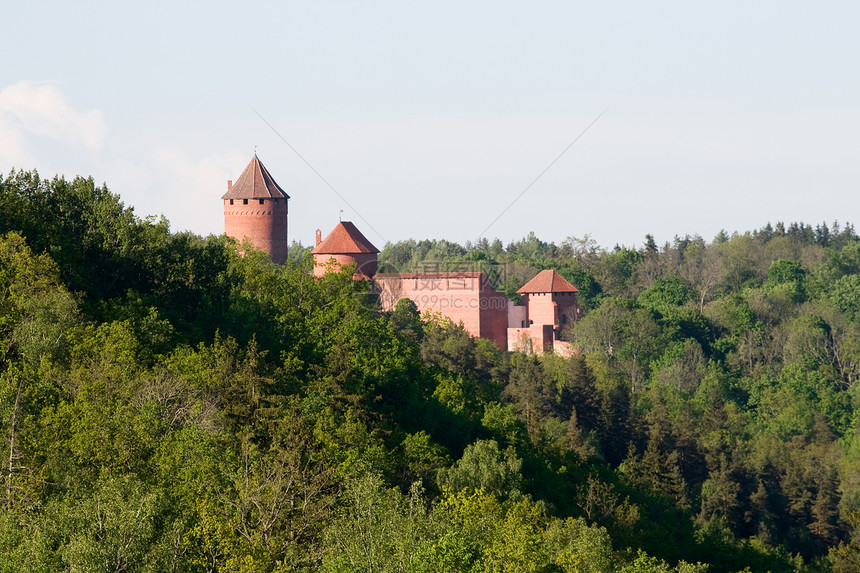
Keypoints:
pixel 167 404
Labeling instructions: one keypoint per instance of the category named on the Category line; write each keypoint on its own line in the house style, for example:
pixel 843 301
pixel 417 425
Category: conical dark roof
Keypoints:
pixel 255 182
pixel 548 281
pixel 343 240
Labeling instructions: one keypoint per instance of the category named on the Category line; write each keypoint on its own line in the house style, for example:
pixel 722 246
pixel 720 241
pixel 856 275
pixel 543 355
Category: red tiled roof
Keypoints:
pixel 345 239
pixel 548 281
pixel 255 182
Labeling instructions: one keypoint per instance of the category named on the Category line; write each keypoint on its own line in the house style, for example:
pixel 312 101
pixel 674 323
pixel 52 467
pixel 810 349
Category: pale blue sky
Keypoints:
pixel 430 118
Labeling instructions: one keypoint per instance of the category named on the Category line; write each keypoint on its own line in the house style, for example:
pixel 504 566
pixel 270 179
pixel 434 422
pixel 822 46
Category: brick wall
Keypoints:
pixel 264 224
pixel 466 298
pixel 494 317
pixel 556 309
pixel 366 263
pixel 534 339
pixel 518 316
pixel 567 309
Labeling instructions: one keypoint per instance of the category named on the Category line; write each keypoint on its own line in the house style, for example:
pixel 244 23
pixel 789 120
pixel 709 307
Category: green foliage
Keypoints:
pixel 846 296
pixel 664 294
pixel 625 335
pixel 589 289
pixel 486 468
pixel 117 527
pixel 645 564
pixel 169 404
pixel 35 309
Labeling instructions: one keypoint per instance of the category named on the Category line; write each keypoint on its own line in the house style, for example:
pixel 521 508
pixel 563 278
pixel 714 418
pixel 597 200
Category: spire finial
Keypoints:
pixel 255 151
pixel 340 216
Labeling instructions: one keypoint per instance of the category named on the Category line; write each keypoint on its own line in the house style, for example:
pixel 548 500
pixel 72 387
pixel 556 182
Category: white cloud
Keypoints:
pixel 13 146
pixel 41 109
pixel 180 180
pixel 192 183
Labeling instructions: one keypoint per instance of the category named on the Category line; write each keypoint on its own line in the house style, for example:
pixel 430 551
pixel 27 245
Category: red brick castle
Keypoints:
pixel 256 208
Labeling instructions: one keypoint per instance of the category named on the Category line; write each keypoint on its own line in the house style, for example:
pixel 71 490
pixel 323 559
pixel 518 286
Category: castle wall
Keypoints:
pixel 265 224
pixel 518 315
pixel 366 263
pixel 466 298
pixel 534 339
pixel 564 349
pixel 494 318
pixel 457 298
pixel 566 308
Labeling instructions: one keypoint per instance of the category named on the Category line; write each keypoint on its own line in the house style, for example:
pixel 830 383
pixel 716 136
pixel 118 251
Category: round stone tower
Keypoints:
pixel 256 208
pixel 345 245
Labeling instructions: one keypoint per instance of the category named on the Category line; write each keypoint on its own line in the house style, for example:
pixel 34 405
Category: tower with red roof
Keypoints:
pixel 550 304
pixel 255 207
pixel 550 299
pixel 345 245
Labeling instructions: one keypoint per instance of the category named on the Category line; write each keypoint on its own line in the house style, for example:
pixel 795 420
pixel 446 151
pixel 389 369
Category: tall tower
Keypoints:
pixel 256 208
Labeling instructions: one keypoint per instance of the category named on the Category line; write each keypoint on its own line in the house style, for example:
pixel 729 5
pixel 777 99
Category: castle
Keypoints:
pixel 256 208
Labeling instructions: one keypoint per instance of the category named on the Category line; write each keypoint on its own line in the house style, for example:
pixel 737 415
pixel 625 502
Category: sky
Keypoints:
pixel 447 120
